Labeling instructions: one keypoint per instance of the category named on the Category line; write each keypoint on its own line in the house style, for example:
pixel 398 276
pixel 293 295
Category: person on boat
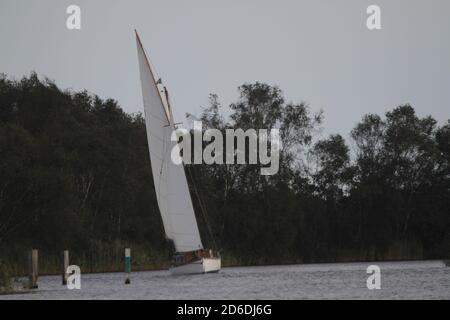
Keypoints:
pixel 199 253
pixel 166 94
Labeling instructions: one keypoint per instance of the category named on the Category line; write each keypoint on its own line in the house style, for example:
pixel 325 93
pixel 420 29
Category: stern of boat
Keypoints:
pixel 201 262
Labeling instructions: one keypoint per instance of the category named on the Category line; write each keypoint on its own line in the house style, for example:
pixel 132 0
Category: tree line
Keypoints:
pixel 75 174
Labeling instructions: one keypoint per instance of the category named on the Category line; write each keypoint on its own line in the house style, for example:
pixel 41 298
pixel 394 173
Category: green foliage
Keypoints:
pixel 387 199
pixel 5 279
pixel 75 174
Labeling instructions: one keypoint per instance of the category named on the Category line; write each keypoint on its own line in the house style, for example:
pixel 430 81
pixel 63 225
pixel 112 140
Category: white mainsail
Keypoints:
pixel 171 187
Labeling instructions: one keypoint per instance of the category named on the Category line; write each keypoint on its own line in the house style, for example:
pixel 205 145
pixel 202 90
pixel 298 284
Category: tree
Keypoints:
pixel 75 173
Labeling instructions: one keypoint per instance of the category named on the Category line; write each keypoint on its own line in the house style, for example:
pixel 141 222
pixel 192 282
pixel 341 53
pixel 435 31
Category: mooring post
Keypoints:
pixel 65 265
pixel 127 265
pixel 33 269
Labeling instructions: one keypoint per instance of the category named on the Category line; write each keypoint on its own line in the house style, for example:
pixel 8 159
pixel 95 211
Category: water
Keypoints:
pixel 399 280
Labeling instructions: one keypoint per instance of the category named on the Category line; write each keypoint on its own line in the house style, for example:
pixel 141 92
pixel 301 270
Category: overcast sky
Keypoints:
pixel 316 51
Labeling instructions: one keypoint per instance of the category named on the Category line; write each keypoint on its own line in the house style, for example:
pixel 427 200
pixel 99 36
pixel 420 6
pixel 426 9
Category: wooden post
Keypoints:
pixel 65 265
pixel 127 265
pixel 33 269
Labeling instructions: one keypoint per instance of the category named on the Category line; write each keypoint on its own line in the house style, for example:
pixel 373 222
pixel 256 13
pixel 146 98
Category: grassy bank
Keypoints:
pixel 5 279
pixel 101 257
pixel 109 257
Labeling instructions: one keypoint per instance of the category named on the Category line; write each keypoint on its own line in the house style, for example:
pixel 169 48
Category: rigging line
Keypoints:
pixel 159 183
pixel 156 156
pixel 202 207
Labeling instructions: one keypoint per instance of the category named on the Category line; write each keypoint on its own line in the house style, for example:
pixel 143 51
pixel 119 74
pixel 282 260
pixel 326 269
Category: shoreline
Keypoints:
pixel 444 261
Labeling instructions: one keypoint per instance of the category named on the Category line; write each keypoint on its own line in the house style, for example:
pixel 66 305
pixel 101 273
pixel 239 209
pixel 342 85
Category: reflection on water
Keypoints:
pixel 399 280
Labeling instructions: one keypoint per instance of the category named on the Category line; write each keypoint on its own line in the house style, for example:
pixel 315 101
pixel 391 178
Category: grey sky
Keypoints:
pixel 316 51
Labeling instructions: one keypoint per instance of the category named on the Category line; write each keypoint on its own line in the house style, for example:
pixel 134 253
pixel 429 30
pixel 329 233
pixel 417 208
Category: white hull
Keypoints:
pixel 205 265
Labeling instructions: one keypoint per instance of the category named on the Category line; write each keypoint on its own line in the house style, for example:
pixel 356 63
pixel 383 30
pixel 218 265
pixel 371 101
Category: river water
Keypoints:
pixel 399 280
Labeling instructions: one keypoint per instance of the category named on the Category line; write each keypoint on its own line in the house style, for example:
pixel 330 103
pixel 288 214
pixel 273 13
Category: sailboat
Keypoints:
pixel 172 191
